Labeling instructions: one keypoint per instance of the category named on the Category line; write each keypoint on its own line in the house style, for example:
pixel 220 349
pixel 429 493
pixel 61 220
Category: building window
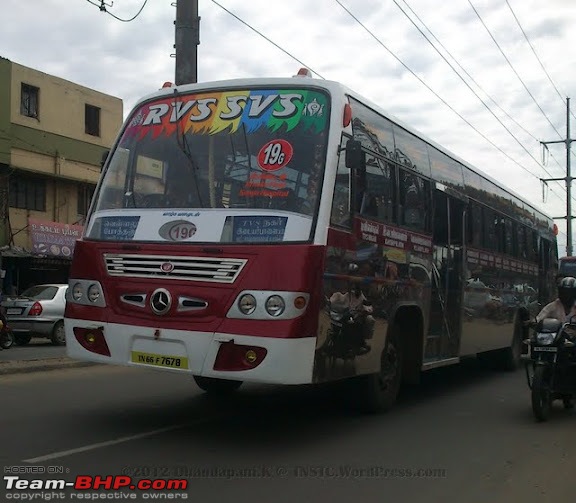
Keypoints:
pixel 92 120
pixel 29 100
pixel 85 193
pixel 27 193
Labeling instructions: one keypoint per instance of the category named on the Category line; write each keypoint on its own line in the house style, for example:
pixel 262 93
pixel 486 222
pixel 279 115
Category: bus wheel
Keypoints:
pixel 378 392
pixel 216 386
pixel 510 358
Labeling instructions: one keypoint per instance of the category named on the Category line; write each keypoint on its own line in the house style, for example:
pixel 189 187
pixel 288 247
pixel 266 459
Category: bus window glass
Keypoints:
pixel 473 183
pixel 372 130
pixel 414 201
pixel 411 151
pixel 508 237
pixel 490 236
pixel 379 198
pixel 475 231
pixel 340 214
pixel 446 170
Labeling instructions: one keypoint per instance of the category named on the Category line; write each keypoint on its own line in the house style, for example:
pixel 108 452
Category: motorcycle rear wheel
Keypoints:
pixel 541 395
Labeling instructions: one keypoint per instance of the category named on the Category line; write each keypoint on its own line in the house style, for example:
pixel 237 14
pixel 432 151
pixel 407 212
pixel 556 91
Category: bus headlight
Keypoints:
pixel 86 292
pixel 93 293
pixel 275 305
pixel 247 304
pixel 77 292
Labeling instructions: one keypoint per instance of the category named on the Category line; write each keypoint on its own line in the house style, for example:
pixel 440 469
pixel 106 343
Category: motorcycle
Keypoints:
pixel 346 334
pixel 551 365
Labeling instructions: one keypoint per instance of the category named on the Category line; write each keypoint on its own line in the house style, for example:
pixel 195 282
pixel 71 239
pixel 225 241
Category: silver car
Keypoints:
pixel 38 312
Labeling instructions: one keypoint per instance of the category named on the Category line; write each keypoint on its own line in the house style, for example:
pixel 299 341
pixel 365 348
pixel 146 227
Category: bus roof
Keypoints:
pixel 333 87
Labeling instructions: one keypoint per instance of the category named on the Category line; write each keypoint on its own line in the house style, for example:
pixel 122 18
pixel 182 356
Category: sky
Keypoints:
pixel 515 58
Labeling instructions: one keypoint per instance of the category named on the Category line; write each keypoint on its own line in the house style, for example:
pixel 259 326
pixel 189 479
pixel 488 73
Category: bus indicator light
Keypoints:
pixel 92 339
pixel 300 302
pixel 347 117
pixel 237 357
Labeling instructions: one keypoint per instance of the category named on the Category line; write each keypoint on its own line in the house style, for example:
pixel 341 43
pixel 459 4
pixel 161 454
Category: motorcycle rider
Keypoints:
pixel 361 310
pixel 564 307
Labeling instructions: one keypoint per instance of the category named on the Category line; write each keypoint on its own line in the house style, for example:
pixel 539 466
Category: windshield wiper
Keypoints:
pixel 185 148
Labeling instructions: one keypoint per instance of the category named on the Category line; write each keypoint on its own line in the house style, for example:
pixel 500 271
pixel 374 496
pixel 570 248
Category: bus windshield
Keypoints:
pixel 259 152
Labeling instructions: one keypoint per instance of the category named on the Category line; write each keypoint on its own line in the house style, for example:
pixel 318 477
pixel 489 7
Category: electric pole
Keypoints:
pixel 187 37
pixel 568 178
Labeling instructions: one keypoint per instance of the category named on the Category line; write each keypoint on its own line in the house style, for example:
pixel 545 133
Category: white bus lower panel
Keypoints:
pixel 285 361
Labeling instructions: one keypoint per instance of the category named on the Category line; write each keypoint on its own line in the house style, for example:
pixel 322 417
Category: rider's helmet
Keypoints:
pixel 567 291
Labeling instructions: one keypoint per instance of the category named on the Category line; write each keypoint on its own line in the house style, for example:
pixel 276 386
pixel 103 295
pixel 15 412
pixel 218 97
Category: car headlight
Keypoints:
pixel 77 292
pixel 247 304
pixel 275 305
pixel 545 338
pixel 93 293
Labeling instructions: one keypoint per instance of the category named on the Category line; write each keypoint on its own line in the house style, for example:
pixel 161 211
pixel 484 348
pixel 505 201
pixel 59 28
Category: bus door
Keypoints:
pixel 445 316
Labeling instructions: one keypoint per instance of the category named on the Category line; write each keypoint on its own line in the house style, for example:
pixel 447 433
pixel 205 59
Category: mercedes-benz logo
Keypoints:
pixel 161 301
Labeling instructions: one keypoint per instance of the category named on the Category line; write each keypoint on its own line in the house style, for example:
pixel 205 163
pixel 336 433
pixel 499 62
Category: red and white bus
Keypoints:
pixel 289 231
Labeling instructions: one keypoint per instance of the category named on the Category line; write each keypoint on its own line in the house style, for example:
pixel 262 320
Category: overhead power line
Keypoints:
pixel 512 67
pixel 102 6
pixel 266 38
pixel 436 94
pixel 468 85
pixel 466 72
pixel 535 54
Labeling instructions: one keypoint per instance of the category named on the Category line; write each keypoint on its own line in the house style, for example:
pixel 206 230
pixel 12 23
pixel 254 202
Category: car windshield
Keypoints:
pixel 40 292
pixel 241 150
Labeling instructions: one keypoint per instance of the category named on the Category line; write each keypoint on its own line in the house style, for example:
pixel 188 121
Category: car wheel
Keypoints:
pixel 58 334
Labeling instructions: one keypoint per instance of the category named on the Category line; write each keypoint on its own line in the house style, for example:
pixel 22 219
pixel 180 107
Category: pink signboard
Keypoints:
pixel 53 238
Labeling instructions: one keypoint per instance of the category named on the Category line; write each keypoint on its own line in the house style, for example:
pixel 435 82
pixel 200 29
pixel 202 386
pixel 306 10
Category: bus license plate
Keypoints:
pixel 550 350
pixel 174 362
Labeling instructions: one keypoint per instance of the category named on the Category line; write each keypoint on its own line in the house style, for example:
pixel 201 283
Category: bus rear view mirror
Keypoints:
pixel 354 155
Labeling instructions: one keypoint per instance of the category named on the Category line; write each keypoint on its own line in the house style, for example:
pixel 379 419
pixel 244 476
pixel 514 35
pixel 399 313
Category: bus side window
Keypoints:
pixel 414 201
pixel 490 238
pixel 340 214
pixel 475 225
pixel 379 198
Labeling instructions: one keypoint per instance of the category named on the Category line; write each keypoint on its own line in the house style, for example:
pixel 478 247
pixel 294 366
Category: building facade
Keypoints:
pixel 53 134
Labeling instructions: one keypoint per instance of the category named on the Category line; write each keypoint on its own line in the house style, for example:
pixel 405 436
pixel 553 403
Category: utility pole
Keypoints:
pixel 568 178
pixel 187 37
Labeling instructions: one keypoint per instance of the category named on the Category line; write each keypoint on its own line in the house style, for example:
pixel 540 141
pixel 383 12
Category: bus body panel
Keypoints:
pixel 288 361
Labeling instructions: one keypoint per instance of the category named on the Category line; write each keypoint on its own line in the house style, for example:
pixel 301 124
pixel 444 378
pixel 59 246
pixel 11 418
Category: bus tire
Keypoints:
pixel 378 392
pixel 216 386
pixel 512 356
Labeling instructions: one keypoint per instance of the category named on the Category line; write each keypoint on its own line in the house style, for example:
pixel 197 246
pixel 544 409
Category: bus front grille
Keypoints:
pixel 216 270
